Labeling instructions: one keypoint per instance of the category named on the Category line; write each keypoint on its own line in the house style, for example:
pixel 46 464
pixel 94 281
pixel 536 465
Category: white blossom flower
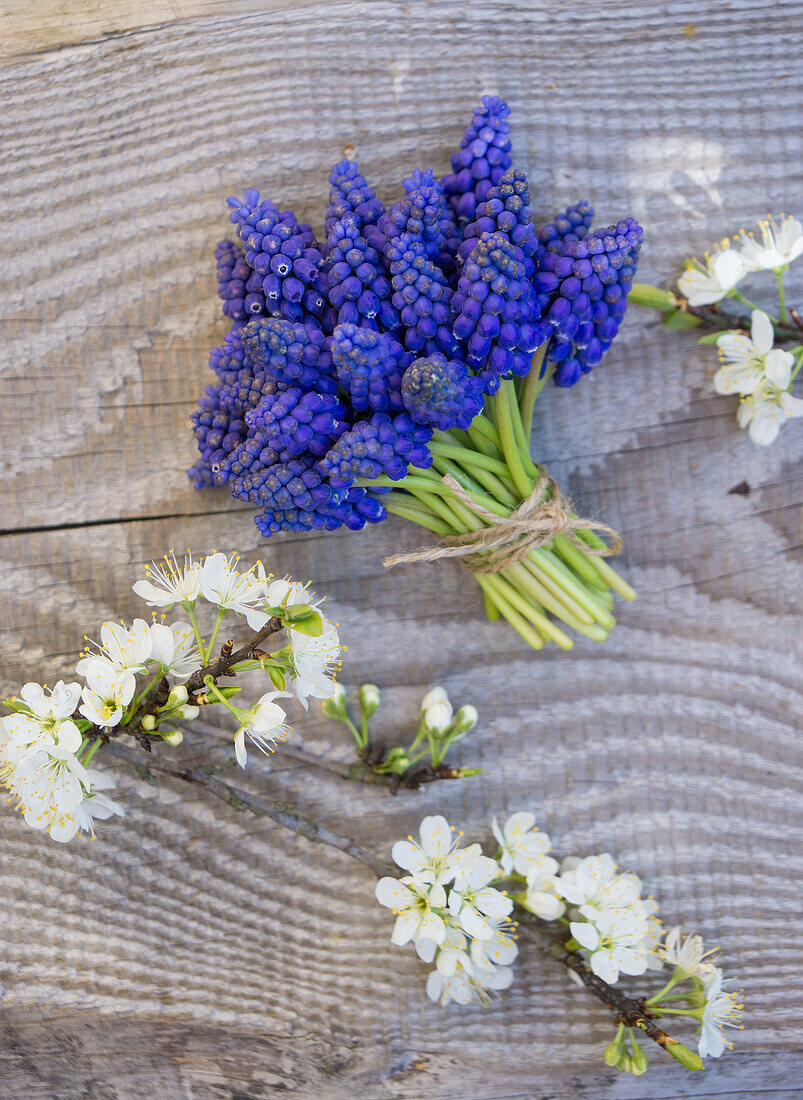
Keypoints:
pixel 315 659
pixel 452 950
pixel 437 710
pixel 705 283
pixel 221 584
pixel 124 649
pixel 315 662
pixel 473 900
pixel 500 950
pixel 615 943
pixel 174 648
pixel 48 787
pixel 467 984
pixel 170 583
pixel 750 362
pixel 108 691
pixel 413 903
pixel 689 955
pixel 585 883
pixel 437 857
pixel 721 1010
pixel 541 896
pixel 96 805
pixel 521 843
pixel 47 719
pixel 765 411
pixel 781 243
pixel 264 724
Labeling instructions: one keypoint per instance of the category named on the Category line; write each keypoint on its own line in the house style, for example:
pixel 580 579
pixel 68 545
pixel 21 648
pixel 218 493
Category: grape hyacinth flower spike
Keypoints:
pixel 393 369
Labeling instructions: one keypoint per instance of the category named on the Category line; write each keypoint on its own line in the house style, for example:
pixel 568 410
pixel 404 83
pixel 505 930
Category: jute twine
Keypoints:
pixel 505 540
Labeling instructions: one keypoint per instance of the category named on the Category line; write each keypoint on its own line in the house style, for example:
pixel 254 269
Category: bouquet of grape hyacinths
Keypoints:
pixel 392 367
pixel 141 680
pixel 591 917
pixel 761 355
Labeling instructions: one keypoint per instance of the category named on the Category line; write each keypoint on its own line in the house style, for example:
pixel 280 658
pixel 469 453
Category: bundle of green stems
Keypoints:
pixel 561 581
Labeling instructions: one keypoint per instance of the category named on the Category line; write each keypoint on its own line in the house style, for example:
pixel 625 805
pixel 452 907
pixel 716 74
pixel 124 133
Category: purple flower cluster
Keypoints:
pixel 344 357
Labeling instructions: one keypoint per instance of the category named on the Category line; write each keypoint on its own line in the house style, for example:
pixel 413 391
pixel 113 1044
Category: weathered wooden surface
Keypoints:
pixel 192 953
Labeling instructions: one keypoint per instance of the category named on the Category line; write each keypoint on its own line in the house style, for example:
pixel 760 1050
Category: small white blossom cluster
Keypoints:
pixel 452 906
pixel 449 907
pixel 616 928
pixel 779 243
pixel 751 366
pixel 49 739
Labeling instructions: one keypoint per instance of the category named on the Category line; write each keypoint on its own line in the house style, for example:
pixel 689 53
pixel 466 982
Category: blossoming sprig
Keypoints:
pixel 422 761
pixel 751 365
pixel 452 905
pixel 139 678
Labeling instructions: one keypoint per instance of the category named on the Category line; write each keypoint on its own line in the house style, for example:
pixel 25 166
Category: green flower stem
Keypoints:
pixel 617 583
pixel 212 690
pixel 572 614
pixel 781 294
pixel 673 981
pixel 492 612
pixel 415 515
pixel 532 387
pixel 694 1013
pixel 522 438
pixel 482 443
pixel 796 368
pixel 501 404
pixel 90 752
pixel 752 305
pixel 221 615
pixel 534 612
pixel 488 430
pixel 478 482
pixel 190 609
pixel 578 561
pixel 560 574
pixel 146 690
pixel 467 458
pixel 519 624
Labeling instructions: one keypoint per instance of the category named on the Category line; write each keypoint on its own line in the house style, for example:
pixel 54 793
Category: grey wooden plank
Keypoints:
pixel 190 953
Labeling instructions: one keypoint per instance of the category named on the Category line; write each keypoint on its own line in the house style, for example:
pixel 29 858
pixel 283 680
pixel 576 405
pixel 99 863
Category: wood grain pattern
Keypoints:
pixel 188 953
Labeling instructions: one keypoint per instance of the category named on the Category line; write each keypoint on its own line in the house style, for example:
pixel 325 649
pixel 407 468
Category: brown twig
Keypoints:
pixel 229 656
pixel 360 771
pixel 283 813
pixel 718 319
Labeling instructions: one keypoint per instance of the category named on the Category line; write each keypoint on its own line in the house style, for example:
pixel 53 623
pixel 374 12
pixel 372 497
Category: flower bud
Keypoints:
pixel 643 294
pixel 638 1061
pixel 369 697
pixel 438 716
pixel 335 706
pixel 465 720
pixel 614 1048
pixel 177 696
pixel 148 722
pixel 173 737
pixel 436 695
pixel 187 712
pixel 683 1055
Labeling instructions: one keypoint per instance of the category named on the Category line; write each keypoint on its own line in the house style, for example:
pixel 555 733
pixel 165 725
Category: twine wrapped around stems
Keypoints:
pixel 505 540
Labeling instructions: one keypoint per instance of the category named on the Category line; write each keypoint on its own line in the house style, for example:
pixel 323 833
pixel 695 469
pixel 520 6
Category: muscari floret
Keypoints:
pixel 350 194
pixel 218 431
pixel 238 285
pixel 247 391
pixel 483 159
pixel 584 289
pixel 290 352
pixel 422 296
pixel 376 447
pixel 370 366
pixel 295 421
pixel 571 225
pixel 441 392
pixel 497 312
pixel 505 210
pixel 285 256
pixel 358 288
pixel 230 360
pixel 424 216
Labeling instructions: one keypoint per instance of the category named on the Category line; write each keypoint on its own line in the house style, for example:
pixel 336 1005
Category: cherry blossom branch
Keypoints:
pixel 283 813
pixel 721 321
pixel 230 656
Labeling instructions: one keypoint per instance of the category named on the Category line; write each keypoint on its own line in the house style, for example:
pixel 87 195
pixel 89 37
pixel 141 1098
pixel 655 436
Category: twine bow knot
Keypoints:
pixel 504 540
